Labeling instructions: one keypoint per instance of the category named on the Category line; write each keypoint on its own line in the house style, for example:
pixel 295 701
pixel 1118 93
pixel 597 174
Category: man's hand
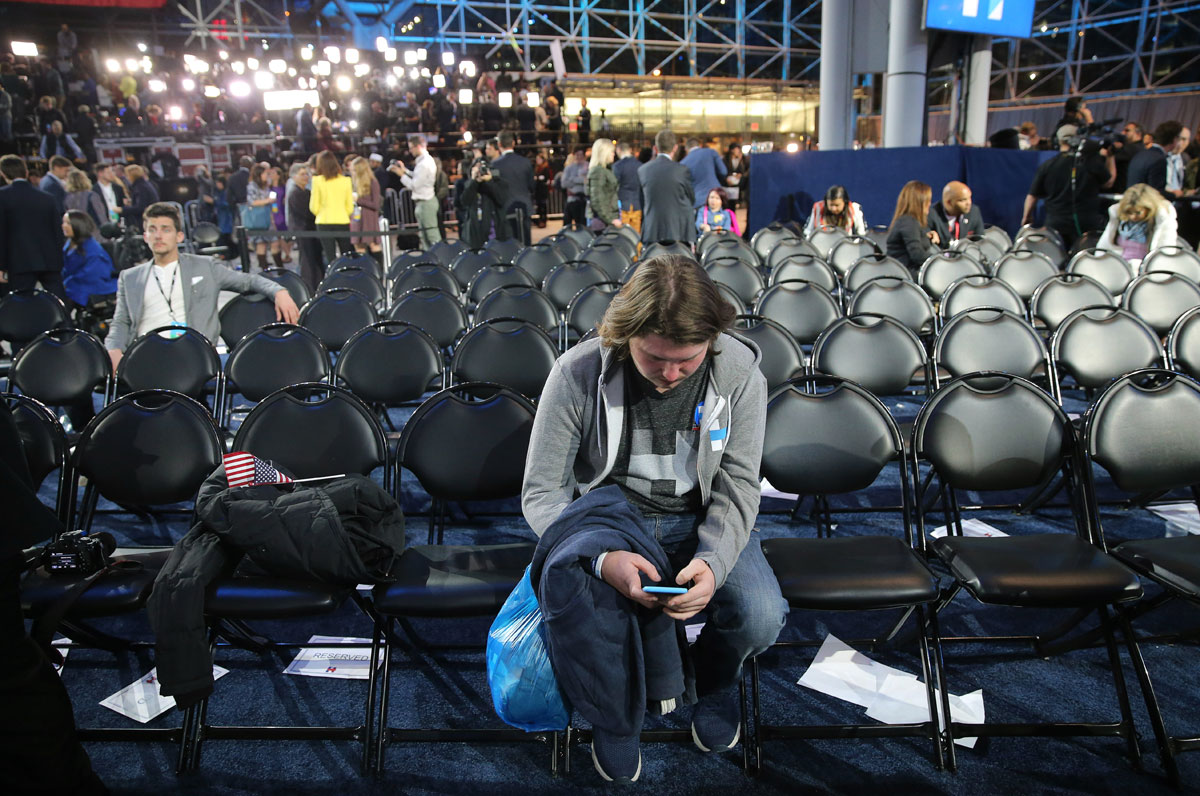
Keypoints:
pixel 933 237
pixel 3 276
pixel 616 222
pixel 285 308
pixel 622 570
pixel 685 606
pixel 115 355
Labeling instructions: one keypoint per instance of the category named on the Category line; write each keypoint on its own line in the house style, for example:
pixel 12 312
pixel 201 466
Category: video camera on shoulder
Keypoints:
pixel 1091 138
pixel 77 553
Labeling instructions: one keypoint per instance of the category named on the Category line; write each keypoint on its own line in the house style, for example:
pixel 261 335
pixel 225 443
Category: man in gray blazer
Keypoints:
pixel 666 195
pixel 178 288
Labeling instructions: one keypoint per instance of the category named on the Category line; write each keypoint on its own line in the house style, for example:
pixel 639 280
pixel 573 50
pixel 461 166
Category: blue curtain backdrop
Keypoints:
pixel 784 186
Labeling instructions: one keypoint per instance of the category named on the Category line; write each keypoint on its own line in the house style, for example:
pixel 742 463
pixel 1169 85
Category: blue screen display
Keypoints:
pixel 1009 18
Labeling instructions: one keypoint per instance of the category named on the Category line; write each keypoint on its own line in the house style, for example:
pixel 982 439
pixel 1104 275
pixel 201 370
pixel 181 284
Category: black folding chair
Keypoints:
pixel 173 358
pixel 508 351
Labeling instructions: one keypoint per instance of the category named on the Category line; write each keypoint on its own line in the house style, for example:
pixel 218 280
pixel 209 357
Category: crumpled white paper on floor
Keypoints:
pixel 971 527
pixel 1181 517
pixel 141 699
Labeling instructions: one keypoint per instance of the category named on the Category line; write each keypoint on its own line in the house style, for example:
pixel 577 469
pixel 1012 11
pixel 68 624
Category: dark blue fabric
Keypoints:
pixel 610 655
pixel 87 271
pixel 785 186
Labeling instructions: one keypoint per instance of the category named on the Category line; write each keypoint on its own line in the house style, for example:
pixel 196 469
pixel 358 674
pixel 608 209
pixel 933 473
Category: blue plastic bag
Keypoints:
pixel 524 688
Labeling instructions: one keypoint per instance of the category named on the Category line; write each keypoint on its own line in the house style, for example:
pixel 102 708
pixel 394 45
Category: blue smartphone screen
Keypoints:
pixel 664 590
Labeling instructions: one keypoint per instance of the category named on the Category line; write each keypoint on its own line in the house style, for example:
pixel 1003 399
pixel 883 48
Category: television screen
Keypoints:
pixel 1006 18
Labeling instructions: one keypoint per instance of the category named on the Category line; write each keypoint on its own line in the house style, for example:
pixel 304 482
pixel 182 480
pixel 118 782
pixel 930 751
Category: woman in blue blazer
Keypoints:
pixel 87 268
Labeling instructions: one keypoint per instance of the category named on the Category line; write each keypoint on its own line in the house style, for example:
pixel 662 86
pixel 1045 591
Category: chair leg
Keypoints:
pixel 369 720
pixel 756 709
pixel 382 736
pixel 1114 659
pixel 188 729
pixel 939 669
pixel 1165 750
pixel 935 731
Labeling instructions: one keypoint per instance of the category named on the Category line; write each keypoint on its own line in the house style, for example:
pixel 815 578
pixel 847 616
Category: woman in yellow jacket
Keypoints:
pixel 332 203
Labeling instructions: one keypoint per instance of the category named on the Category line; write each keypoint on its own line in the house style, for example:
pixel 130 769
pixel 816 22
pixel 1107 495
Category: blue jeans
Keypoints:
pixel 745 614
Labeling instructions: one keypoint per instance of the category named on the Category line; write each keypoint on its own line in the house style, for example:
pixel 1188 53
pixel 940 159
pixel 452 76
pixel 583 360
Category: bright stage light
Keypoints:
pixel 362 70
pixel 112 65
pixel 27 49
pixel 448 59
pixel 333 54
pixel 389 54
pixel 212 92
pixel 355 105
pixel 156 86
pixel 465 96
pixel 306 53
pixel 277 66
pixel 238 67
pixel 252 63
pixel 223 55
pixel 425 71
pixel 792 147
pixel 321 68
pixel 410 57
pixel 467 137
pixel 391 81
pixel 351 56
pixel 439 80
pixel 291 71
pixel 264 80
pixel 131 65
pixel 344 83
pixel 142 47
pixel 354 124
pixel 188 84
pixel 504 98
pixel 534 99
pixel 175 113
pixel 467 68
pixel 289 100
pixel 381 43
pixel 422 53
pixel 239 88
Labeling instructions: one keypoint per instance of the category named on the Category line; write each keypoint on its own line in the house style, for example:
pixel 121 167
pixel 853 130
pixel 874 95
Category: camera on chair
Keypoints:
pixel 76 553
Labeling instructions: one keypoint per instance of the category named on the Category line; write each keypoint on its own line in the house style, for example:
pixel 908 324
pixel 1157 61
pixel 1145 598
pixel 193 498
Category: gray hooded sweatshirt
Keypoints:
pixel 581 417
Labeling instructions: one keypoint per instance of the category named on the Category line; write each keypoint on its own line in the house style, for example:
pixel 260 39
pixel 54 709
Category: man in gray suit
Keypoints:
pixel 666 195
pixel 179 289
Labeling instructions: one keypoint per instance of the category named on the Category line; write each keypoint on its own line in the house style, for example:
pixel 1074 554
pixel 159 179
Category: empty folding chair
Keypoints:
pixel 24 314
pixel 1159 298
pixel 1059 296
pixel 803 308
pixel 987 338
pixel 708 239
pixel 667 247
pixel 869 268
pixel 355 277
pixel 744 279
pixel 405 259
pixel 611 257
pixel 420 275
pixel 979 290
pixel 1024 271
pixel 848 251
pixel 879 234
pixel 291 281
pixel 505 249
pixel 562 283
pixel 242 314
pixel 942 269
pixel 470 262
pixel 998 237
pixel 808 268
pixel 62 367
pixel 493 276
pixel 624 238
pixel 979 248
pixel 437 311
pixel 730 246
pixel 1183 344
pixel 896 298
pixel 389 363
pixel 565 245
pixel 878 353
pixel 1174 259
pixel 519 301
pixel 444 251
pixel 782 357
pixel 514 353
pixel 824 238
pixel 539 260
pixel 1095 345
pixel 582 236
pixel 357 260
pixel 44 444
pixel 586 310
pixel 335 315
pixel 172 358
pixel 769 236
pixel 1107 268
pixel 270 358
pixel 1042 243
pixel 788 247
pixel 991 433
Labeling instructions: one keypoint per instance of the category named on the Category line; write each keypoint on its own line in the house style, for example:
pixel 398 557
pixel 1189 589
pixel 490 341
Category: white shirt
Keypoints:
pixel 164 282
pixel 1174 172
pixel 420 180
pixel 110 198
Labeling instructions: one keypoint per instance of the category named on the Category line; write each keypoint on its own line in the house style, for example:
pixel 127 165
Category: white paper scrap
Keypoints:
pixel 971 527
pixel 62 642
pixel 769 491
pixel 843 672
pixel 339 663
pixel 902 700
pixel 141 699
pixel 1181 517
pixel 693 631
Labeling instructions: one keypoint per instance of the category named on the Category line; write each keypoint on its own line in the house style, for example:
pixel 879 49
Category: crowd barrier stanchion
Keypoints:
pixel 385 245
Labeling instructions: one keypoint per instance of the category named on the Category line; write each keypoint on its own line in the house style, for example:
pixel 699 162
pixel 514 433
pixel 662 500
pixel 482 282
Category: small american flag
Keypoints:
pixel 246 469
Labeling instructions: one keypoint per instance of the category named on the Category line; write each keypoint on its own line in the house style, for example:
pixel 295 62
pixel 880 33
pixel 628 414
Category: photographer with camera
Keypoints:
pixel 1071 184
pixel 482 196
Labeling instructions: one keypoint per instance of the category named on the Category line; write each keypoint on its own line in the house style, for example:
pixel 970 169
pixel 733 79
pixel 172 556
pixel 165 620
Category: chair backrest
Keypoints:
pixel 782 357
pixel 769 236
pixel 565 245
pixel 730 246
pixel 515 353
pixel 504 249
pixel 744 279
pixel 469 442
pixel 708 239
pixel 405 259
pixel 998 236
pixel 942 269
pixel 879 353
pixel 981 249
pixel 870 267
pixel 425 274
pixel 355 260
pixel 169 358
pixel 242 314
pixel 992 431
pixel 290 281
pixel 518 301
pixel 787 247
pixel 1042 243
pixel 1097 344
pixel 1175 259
pixel 355 277
pixel 827 436
pixel 979 290
pixel 611 257
pixel 469 263
pixel 539 260
pixel 667 247
pixel 60 367
pixel 803 308
pixel 437 311
pixel 335 315
pixel 312 430
pixel 1144 430
pixel 848 251
pixel 588 306
pixel 43 441
pixel 1107 268
pixel 149 448
pixel 444 251
pixel 275 356
pixel 1024 271
pixel 824 238
pixel 582 236
pixel 1030 229
pixel 627 244
pixel 1058 296
pixel 496 275
pixel 807 267
pixel 732 298
pixel 1183 343
pixel 389 362
pixel 896 298
pixel 1160 297
pixel 562 283
pixel 986 338
pixel 24 314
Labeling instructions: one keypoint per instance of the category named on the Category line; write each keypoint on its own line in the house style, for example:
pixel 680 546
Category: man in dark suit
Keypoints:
pixel 110 189
pixel 238 182
pixel 55 180
pixel 1127 146
pixel 31 236
pixel 666 195
pixel 707 169
pixel 1150 165
pixel 955 216
pixel 517 174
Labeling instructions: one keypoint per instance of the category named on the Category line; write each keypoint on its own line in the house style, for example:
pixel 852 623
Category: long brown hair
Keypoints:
pixel 913 201
pixel 327 165
pixel 361 169
pixel 670 296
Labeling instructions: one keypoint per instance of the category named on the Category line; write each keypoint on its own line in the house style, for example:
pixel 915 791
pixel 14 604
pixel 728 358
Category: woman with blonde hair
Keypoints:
pixel 1139 223
pixel 909 238
pixel 81 197
pixel 331 203
pixel 368 201
pixel 602 186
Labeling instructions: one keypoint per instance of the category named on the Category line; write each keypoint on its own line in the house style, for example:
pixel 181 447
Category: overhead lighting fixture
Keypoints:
pixel 410 57
pixel 355 105
pixel 381 43
pixel 289 100
pixel 156 86
pixel 398 70
pixel 792 147
pixel 389 54
pixel 212 92
pixel 321 68
pixel 239 88
pixel 223 55
pixel 425 71
pixel 416 19
pixel 188 84
pixel 252 63
pixel 332 105
pixel 175 113
pixel 504 98
pixel 422 53
pixel 354 124
pixel 142 46
pixel 465 96
pixel 306 53
pixel 277 66
pixel 467 137
pixel 112 65
pixel 264 80
pixel 534 99
pixel 131 65
pixel 351 56
pixel 344 83
pixel 391 81
pixel 467 68
pixel 448 59
pixel 362 70
pixel 333 54
pixel 238 67
pixel 414 73
pixel 146 65
pixel 439 80
pixel 26 49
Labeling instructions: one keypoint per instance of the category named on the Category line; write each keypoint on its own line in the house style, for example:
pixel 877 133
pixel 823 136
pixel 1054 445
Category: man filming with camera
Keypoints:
pixel 482 195
pixel 1071 184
